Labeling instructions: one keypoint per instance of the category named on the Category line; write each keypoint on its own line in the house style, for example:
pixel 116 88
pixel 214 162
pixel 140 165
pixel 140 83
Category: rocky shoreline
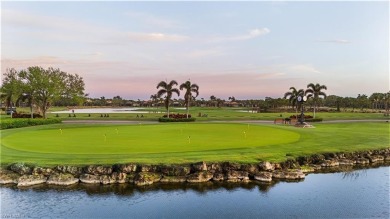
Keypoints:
pixel 141 175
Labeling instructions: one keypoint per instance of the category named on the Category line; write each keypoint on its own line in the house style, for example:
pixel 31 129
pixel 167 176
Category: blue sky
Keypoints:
pixel 244 49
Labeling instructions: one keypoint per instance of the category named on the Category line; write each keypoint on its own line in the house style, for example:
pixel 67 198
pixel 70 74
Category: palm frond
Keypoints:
pixel 162 84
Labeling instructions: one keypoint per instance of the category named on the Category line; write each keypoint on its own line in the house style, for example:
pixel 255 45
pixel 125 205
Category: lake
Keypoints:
pixel 360 193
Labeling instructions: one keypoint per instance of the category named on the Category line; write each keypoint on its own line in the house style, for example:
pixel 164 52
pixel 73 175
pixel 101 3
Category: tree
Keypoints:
pixel 117 101
pixel 362 101
pixel 168 90
pixel 315 91
pixel 293 97
pixel 48 85
pixel 190 88
pixel 154 99
pixel 12 87
pixel 387 101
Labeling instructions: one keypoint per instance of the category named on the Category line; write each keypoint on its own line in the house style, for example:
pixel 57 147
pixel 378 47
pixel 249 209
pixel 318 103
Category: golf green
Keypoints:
pixel 80 144
pixel 135 139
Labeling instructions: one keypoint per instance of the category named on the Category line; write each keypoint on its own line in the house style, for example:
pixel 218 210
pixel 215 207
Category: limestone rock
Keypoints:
pixel 266 166
pixel 29 180
pixel 387 158
pixel 7 177
pixel 290 174
pixel 88 178
pixel 119 177
pixel 235 176
pixel 330 163
pixel 376 158
pixel 250 168
pixel 98 170
pixel 200 166
pixel 62 179
pixel 218 176
pixel 146 178
pixel 202 176
pixel 42 170
pixel 175 170
pixel 75 171
pixel 362 161
pixel 107 179
pixel 20 168
pixel 227 166
pixel 174 179
pixel 130 177
pixel 215 167
pixel 263 176
pixel 346 162
pixel 148 168
pixel 126 168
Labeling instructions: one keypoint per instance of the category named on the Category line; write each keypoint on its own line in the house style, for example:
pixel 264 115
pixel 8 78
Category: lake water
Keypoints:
pixel 104 110
pixel 359 193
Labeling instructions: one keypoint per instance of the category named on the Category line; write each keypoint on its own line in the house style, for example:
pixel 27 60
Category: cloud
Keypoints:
pixel 156 37
pixel 254 33
pixel 337 41
pixel 304 68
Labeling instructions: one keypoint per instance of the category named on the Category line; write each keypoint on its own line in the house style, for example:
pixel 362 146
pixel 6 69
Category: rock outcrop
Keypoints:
pixel 202 176
pixel 143 174
pixel 98 170
pixel 88 178
pixel 263 176
pixel 146 178
pixel 62 179
pixel 29 180
pixel 7 177
pixel 20 168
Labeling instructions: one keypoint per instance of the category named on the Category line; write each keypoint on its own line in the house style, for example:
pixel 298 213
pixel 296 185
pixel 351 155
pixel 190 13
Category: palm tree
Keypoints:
pixel 190 88
pixel 293 97
pixel 168 90
pixel 315 91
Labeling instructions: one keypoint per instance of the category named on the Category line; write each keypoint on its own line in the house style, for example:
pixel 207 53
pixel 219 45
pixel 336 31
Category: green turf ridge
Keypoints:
pixel 184 143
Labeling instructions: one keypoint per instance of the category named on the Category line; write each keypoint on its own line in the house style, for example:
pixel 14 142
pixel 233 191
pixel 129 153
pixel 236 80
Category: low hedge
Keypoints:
pixel 19 123
pixel 163 119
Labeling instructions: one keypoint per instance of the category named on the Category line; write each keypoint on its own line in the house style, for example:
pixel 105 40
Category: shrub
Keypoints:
pixel 25 115
pixel 177 116
pixel 165 119
pixel 299 116
pixel 19 123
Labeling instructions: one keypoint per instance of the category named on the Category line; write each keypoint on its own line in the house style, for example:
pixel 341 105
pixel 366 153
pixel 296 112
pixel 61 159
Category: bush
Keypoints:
pixel 19 123
pixel 299 116
pixel 25 115
pixel 165 119
pixel 177 116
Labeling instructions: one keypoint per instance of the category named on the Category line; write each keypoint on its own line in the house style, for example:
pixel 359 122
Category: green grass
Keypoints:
pixel 169 143
pixel 214 114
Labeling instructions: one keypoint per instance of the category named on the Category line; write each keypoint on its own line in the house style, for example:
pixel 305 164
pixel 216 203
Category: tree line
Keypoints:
pixel 41 87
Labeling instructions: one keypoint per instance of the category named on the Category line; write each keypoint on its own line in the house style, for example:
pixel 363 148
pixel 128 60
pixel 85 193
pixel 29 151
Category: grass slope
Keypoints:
pixel 169 143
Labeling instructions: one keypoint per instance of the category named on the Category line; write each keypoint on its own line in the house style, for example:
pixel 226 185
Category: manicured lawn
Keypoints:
pixel 170 143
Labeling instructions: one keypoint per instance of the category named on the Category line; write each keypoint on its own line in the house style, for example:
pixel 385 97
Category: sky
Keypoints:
pixel 249 50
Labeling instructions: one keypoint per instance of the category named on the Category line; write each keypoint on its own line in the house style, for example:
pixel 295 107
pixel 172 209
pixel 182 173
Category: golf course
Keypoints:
pixel 176 143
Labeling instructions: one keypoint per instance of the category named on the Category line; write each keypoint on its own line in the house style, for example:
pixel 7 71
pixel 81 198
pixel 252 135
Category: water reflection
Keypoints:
pixel 129 190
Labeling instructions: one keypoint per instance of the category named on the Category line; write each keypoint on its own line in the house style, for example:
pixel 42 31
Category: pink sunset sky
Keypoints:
pixel 249 50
